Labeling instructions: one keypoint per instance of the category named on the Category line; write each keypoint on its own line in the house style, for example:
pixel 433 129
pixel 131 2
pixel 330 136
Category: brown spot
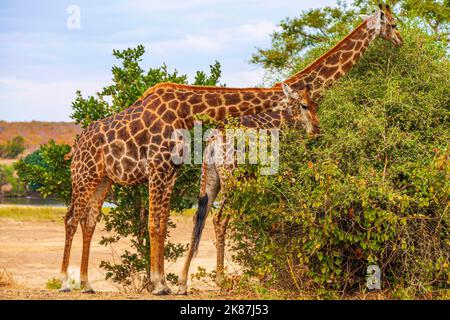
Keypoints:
pixel 123 134
pixel 345 67
pixel 232 98
pixel 328 71
pixel 168 96
pixel 346 56
pixel 333 58
pixel 143 150
pixel 156 126
pixel 195 98
pixel 117 148
pixel 132 150
pixel 148 118
pixel 173 104
pixel 136 126
pixel 155 104
pixel 169 116
pixel 248 96
pixel 128 164
pixel 232 109
pixel 109 159
pixel 337 74
pixel 156 139
pixel 197 108
pixel 148 99
pixel 212 113
pixel 182 96
pixel 212 99
pixel 221 113
pixel 348 45
pixel 142 138
pixel 167 132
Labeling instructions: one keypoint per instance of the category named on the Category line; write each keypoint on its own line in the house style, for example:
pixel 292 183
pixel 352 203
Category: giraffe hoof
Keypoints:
pixel 63 290
pixel 182 290
pixel 161 292
pixel 88 291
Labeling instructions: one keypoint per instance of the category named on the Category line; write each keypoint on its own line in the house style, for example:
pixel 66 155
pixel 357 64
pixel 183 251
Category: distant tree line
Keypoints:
pixel 12 148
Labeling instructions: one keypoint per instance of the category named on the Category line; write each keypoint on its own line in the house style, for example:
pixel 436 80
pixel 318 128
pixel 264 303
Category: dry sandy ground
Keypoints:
pixel 32 252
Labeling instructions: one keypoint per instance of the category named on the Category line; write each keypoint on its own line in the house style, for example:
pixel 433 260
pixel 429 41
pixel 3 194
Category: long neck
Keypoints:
pixel 335 63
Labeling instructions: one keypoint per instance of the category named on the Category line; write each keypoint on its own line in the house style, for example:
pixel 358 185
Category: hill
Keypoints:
pixel 39 132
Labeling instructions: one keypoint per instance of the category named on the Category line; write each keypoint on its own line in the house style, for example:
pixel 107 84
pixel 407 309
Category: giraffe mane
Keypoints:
pixel 165 85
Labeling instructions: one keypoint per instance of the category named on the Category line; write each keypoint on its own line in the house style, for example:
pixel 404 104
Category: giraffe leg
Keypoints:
pixel 88 223
pixel 160 188
pixel 220 228
pixel 208 193
pixel 71 224
pixel 73 216
pixel 83 187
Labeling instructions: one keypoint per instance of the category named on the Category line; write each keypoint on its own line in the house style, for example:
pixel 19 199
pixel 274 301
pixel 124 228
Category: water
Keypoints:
pixel 35 201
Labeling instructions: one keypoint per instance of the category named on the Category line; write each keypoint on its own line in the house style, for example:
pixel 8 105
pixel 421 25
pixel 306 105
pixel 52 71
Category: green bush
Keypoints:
pixel 371 189
pixel 7 176
pixel 12 148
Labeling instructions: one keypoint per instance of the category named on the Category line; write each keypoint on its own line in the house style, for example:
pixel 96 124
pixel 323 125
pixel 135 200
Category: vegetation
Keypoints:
pixel 33 213
pixel 53 284
pixel 372 189
pixel 8 177
pixel 49 171
pixel 36 133
pixel 6 278
pixel 12 148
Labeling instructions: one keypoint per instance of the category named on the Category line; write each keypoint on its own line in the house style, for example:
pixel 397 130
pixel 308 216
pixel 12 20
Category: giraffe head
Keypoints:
pixel 301 108
pixel 388 28
pixel 385 24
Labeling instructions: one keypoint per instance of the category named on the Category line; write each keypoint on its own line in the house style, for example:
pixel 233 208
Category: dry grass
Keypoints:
pixel 49 214
pixel 33 213
pixel 6 278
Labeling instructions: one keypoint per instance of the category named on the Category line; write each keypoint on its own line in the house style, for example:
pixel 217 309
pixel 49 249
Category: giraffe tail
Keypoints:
pixel 200 218
pixel 209 188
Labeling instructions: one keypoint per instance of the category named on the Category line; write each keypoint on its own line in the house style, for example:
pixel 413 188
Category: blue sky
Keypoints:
pixel 43 62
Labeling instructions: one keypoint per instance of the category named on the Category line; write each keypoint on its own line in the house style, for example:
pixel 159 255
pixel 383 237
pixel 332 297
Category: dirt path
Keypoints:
pixel 32 252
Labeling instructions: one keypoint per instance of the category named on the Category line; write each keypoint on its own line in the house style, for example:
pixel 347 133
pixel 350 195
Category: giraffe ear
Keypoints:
pixel 388 9
pixel 365 16
pixel 286 89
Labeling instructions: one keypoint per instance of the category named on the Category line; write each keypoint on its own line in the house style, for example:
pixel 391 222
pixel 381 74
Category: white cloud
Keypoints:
pixel 215 40
pixel 195 43
pixel 37 100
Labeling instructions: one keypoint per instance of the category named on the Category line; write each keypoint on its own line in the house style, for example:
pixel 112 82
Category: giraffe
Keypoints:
pixel 321 74
pixel 134 146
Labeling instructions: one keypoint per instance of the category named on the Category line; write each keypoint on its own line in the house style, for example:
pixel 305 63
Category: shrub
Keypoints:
pixel 12 148
pixel 371 190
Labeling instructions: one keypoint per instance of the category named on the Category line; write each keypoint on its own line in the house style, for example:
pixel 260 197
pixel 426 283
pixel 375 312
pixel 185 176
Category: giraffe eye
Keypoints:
pixel 304 106
pixel 393 26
